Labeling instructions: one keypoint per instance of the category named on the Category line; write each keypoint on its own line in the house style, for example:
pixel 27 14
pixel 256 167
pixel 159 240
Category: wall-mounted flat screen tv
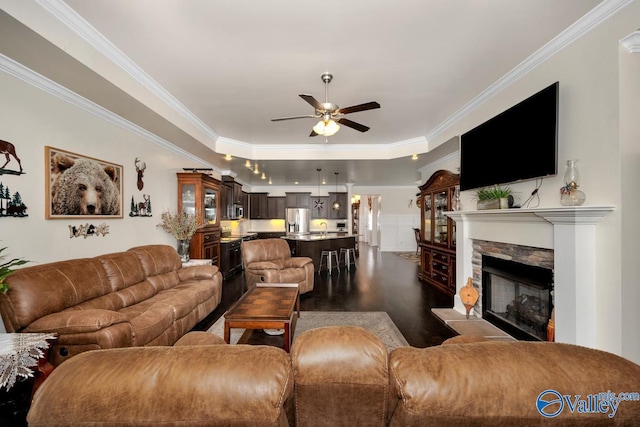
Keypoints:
pixel 518 144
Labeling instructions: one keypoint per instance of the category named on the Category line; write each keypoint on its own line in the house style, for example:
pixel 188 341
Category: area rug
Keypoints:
pixel 411 256
pixel 378 322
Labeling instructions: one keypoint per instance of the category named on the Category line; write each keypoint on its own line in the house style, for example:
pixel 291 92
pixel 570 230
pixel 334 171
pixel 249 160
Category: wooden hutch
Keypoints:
pixel 199 195
pixel 438 232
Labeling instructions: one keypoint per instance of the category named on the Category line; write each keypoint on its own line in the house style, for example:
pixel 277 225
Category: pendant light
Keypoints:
pixel 336 205
pixel 318 204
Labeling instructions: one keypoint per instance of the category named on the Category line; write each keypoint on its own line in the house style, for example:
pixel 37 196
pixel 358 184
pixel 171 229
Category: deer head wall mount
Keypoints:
pixel 140 167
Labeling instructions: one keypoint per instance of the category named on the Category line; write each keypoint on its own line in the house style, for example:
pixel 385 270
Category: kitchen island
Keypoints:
pixel 312 245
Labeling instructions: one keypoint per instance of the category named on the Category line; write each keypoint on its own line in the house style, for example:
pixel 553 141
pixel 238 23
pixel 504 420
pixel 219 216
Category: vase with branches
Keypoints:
pixel 182 226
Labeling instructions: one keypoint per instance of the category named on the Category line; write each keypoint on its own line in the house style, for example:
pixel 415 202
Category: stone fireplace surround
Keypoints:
pixel 569 233
pixel 539 257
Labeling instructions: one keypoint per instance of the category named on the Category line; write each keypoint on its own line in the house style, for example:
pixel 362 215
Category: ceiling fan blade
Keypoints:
pixel 312 101
pixel 308 116
pixel 313 133
pixel 362 107
pixel 353 125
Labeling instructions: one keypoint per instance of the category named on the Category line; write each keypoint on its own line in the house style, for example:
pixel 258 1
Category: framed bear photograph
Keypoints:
pixel 79 186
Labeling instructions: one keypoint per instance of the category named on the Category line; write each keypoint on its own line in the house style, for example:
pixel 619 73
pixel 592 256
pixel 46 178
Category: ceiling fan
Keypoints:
pixel 330 114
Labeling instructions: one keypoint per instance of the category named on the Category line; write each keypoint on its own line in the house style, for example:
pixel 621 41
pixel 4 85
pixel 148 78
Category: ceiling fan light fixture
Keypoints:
pixel 326 128
pixel 328 110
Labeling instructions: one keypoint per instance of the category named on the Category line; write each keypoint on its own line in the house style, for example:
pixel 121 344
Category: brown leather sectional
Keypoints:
pixel 140 297
pixel 340 376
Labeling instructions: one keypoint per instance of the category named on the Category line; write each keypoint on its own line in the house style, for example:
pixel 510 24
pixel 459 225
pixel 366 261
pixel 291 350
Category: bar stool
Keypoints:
pixel 329 256
pixel 349 256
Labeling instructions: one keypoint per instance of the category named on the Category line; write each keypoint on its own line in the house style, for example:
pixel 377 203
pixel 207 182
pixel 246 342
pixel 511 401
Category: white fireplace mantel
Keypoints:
pixel 569 231
pixel 564 214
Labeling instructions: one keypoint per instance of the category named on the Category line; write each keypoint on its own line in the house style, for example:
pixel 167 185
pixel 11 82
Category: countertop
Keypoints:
pixel 230 239
pixel 236 237
pixel 314 237
pixel 249 234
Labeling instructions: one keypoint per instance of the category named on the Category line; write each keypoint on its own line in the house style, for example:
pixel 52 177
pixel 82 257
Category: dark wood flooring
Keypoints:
pixel 380 281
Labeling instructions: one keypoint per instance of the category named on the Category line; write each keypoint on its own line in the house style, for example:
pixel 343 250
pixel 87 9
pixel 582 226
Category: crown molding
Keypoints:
pixel 83 29
pixel 595 17
pixel 441 161
pixel 19 71
pixel 631 43
pixel 65 14
pixel 320 149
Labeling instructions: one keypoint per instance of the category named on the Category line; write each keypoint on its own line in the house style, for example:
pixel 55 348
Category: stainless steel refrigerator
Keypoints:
pixel 298 220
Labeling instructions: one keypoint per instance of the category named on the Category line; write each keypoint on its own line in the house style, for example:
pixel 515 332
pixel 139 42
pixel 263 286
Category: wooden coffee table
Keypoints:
pixel 265 306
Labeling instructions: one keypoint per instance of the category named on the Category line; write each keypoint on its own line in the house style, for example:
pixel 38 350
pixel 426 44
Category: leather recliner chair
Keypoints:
pixel 270 261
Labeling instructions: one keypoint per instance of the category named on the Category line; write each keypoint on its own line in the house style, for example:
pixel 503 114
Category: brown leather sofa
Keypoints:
pixel 141 297
pixel 270 261
pixel 338 376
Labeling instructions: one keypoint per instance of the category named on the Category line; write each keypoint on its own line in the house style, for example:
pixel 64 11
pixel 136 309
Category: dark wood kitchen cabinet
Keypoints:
pixel 231 197
pixel 276 207
pixel 230 258
pixel 320 207
pixel 225 200
pixel 258 206
pixel 437 231
pixel 245 204
pixel 298 200
pixel 236 197
pixel 341 213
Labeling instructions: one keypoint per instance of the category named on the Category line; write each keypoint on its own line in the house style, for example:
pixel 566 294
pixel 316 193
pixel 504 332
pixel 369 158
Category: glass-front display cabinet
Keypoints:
pixel 437 233
pixel 199 195
pixel 441 221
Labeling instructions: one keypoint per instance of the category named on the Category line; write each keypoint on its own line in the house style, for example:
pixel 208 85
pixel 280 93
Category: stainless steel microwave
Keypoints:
pixel 235 212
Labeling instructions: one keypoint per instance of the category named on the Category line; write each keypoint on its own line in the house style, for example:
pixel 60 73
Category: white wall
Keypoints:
pixel 630 197
pixel 590 121
pixel 398 215
pixel 32 119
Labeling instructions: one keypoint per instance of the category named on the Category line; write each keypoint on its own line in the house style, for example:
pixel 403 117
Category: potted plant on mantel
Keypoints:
pixel 182 226
pixel 493 197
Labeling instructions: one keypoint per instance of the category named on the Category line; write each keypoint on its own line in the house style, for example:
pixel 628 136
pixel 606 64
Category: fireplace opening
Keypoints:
pixel 517 298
